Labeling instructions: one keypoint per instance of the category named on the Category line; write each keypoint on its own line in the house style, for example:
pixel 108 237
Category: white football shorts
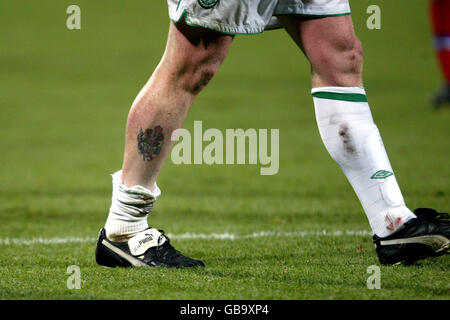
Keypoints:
pixel 249 16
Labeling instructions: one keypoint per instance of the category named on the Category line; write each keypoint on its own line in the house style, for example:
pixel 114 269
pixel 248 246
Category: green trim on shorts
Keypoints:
pixel 309 16
pixel 319 16
pixel 352 97
pixel 185 15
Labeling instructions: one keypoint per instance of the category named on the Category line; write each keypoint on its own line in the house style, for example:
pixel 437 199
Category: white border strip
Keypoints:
pixel 194 236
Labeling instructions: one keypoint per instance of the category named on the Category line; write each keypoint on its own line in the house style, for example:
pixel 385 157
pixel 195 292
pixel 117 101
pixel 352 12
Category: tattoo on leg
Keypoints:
pixel 150 142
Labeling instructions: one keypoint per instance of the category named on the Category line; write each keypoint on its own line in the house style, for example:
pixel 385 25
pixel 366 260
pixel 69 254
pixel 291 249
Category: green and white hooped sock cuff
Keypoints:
pixel 352 94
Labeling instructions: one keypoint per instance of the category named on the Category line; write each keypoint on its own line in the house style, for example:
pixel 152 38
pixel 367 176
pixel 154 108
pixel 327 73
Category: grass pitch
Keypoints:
pixel 65 96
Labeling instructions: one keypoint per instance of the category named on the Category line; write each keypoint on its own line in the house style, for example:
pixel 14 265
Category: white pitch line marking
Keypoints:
pixel 193 236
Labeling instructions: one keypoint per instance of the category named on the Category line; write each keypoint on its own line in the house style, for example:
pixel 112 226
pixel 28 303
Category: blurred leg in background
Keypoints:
pixel 440 19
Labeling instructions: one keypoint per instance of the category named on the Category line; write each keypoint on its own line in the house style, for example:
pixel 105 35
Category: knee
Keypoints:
pixel 199 78
pixel 192 57
pixel 194 74
pixel 349 52
pixel 355 56
pixel 340 63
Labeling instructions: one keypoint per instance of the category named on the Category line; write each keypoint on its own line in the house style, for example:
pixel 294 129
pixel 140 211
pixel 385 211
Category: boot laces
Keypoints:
pixel 170 250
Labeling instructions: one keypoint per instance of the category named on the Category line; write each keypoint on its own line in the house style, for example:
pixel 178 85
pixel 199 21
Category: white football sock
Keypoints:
pixel 354 142
pixel 129 209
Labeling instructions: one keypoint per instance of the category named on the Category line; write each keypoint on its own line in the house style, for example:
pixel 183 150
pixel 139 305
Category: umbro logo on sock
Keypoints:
pixel 381 174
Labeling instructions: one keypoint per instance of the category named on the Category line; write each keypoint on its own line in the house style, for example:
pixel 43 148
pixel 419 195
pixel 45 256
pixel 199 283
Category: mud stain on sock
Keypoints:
pixel 347 140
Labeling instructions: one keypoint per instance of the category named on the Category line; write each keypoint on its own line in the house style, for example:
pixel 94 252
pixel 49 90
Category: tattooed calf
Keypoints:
pixel 149 142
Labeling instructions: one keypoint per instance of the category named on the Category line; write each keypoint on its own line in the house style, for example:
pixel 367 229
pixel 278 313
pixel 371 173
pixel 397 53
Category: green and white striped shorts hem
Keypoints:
pixel 249 16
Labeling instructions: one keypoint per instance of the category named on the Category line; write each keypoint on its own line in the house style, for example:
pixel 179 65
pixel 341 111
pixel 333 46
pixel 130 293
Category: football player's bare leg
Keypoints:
pixel 344 118
pixel 191 58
